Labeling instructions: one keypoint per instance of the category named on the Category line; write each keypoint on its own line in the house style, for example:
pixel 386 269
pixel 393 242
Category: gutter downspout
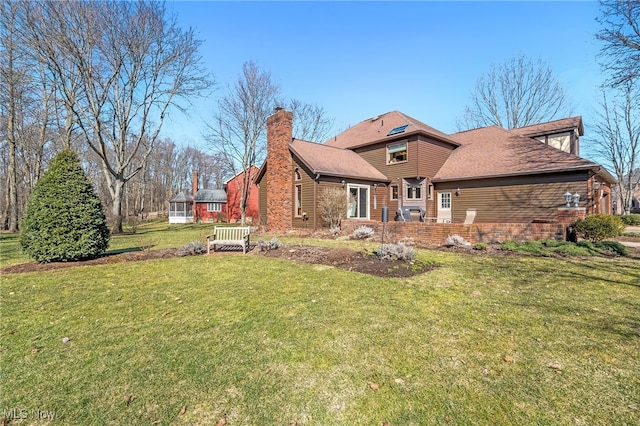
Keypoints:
pixel 315 201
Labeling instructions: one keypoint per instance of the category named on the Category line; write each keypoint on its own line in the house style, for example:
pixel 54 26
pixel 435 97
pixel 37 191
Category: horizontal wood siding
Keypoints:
pixel 431 155
pixel 518 199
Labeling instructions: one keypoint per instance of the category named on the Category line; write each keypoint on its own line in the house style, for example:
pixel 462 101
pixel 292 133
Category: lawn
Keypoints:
pixel 264 341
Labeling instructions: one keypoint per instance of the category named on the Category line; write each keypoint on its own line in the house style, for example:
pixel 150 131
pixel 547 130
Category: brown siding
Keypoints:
pixel 424 158
pixel 517 199
pixel 308 206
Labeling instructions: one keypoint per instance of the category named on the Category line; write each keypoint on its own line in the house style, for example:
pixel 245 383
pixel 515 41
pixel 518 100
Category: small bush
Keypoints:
pixel 509 246
pixel 332 206
pixel 399 251
pixel 362 233
pixel 272 244
pixel 480 246
pixel 573 249
pixel 613 247
pixel 597 227
pixel 630 219
pixel 334 230
pixel 194 248
pixel 549 242
pixel 456 241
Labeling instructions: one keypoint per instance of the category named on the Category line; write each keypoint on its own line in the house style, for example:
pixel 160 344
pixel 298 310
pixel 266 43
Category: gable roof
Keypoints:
pixel 379 128
pixel 493 151
pixel 331 161
pixel 181 197
pixel 211 196
pixel 555 126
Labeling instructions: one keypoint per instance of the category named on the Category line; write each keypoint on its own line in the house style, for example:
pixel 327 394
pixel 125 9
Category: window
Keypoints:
pixel 396 130
pixel 358 202
pixel 430 192
pixel 214 207
pixel 397 153
pixel 298 201
pixel 297 174
pixel 414 192
pixel 445 200
pixel 394 192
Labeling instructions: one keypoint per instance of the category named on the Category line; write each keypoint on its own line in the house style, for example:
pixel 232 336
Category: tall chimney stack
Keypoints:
pixel 279 170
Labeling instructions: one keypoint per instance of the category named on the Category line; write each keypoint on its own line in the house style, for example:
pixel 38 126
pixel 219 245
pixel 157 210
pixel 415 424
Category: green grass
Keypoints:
pixel 269 342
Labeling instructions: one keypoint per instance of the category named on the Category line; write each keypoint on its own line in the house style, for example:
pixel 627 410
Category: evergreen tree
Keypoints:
pixel 64 219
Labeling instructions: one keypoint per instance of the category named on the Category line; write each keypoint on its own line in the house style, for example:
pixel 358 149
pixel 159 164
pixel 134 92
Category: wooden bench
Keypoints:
pixel 229 236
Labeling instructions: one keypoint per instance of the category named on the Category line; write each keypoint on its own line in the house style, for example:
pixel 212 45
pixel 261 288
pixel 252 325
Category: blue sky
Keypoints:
pixel 361 59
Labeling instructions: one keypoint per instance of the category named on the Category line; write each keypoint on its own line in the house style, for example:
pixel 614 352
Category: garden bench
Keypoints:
pixel 229 236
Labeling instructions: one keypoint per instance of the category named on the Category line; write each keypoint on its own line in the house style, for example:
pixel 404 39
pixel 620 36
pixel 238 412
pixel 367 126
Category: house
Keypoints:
pixel 213 205
pixel 393 166
pixel 234 188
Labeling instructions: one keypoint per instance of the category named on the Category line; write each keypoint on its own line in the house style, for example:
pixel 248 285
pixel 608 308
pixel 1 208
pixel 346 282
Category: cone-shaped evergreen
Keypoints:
pixel 64 220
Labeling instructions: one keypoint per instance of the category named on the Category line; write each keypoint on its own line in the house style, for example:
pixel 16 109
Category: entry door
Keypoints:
pixel 444 207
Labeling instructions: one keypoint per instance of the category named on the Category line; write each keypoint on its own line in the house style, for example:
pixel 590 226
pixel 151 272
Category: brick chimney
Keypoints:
pixel 194 184
pixel 279 170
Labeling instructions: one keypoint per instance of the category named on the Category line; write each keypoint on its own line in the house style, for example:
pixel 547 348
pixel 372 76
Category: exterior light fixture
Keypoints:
pixel 567 198
pixel 596 186
pixel 576 199
pixel 343 183
pixel 458 191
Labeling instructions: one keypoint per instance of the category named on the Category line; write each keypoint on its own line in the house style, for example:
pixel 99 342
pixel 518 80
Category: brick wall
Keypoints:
pixel 279 171
pixel 435 234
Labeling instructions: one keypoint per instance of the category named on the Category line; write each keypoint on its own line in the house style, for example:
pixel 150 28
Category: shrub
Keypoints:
pixel 362 233
pixel 509 246
pixel 399 251
pixel 613 247
pixel 64 219
pixel 573 249
pixel 480 246
pixel 332 206
pixel 334 230
pixel 192 249
pixel 630 219
pixel 597 227
pixel 272 244
pixel 456 241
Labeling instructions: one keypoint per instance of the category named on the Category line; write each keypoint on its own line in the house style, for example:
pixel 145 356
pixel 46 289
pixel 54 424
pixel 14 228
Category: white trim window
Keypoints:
pixel 214 207
pixel 414 192
pixel 358 201
pixel 298 199
pixel 397 153
pixel 394 193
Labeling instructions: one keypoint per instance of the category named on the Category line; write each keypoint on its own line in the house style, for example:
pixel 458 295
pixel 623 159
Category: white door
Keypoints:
pixel 444 207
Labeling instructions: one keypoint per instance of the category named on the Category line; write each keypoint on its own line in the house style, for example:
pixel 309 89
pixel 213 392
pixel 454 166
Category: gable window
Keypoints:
pixel 214 207
pixel 397 153
pixel 394 192
pixel 358 202
pixel 298 201
pixel 297 174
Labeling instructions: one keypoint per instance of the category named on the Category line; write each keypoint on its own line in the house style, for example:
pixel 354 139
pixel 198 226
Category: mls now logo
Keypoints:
pixel 15 414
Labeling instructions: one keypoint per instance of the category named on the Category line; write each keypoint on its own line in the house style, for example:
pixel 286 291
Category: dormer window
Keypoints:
pixel 397 153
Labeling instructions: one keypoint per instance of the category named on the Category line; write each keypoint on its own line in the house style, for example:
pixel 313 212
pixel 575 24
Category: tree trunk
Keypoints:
pixel 116 210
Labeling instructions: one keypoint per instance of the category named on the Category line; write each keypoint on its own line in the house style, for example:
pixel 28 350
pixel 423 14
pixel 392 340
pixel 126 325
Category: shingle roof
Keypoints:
pixel 377 129
pixel 493 151
pixel 181 197
pixel 555 126
pixel 211 196
pixel 332 161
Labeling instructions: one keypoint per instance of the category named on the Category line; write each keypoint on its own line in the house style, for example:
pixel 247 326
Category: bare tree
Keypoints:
pixel 515 93
pixel 621 36
pixel 617 140
pixel 119 66
pixel 239 125
pixel 310 122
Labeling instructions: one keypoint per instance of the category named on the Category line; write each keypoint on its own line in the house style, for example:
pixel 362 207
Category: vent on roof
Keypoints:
pixel 396 130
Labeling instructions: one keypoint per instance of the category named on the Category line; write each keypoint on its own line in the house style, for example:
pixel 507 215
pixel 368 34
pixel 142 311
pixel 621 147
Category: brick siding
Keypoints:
pixel 279 171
